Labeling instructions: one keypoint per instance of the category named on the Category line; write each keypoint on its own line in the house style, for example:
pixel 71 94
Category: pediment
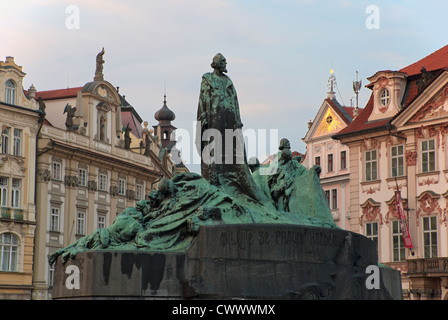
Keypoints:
pixel 327 123
pixel 429 105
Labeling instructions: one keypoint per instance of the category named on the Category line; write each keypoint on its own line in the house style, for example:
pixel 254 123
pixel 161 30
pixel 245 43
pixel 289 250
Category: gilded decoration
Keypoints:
pixel 330 123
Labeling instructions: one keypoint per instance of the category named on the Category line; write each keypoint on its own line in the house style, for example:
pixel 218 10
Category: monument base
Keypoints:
pixel 262 261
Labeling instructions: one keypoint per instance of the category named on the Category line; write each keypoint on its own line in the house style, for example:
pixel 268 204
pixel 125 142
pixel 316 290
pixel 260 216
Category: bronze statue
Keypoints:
pixel 221 142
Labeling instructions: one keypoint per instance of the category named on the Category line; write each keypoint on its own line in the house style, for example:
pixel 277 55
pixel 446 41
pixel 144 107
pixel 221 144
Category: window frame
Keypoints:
pixel 384 99
pixel 11 250
pixel 10 92
pixel 56 170
pixel 397 157
pixel 370 162
pixel 398 247
pixel 55 219
pixel 17 142
pixel 428 152
pixel 430 250
pixel 4 191
pixel 139 194
pixel 6 138
pixel 330 162
pixel 82 177
pixel 15 193
pixel 369 231
pixel 81 219
pixel 102 182
pixel 122 187
pixel 343 159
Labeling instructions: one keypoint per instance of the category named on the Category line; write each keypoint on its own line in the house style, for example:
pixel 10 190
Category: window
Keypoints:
pixel 317 161
pixel 15 193
pixel 17 143
pixel 430 236
pixel 384 97
pixel 139 191
pixel 327 194
pixel 370 161
pixel 343 160
pixel 3 191
pixel 81 223
pixel 121 187
pixel 5 139
pixel 51 275
pixel 9 252
pixel 428 156
pixel 398 248
pixel 372 232
pixel 397 159
pixel 101 221
pixel 10 92
pixel 102 182
pixel 54 219
pixel 56 170
pixel 334 199
pixel 330 163
pixel 82 177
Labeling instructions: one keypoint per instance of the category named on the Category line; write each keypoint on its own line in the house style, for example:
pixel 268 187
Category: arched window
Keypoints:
pixel 10 92
pixel 9 252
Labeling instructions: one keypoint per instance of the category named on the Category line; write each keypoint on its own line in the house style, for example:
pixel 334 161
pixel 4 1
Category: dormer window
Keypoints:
pixel 10 92
pixel 384 97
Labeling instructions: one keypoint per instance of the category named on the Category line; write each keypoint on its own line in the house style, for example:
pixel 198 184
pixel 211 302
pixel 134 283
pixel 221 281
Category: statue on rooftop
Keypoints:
pixel 99 66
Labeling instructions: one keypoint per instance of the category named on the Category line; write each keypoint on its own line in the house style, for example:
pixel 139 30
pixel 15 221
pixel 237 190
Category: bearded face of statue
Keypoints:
pixel 219 63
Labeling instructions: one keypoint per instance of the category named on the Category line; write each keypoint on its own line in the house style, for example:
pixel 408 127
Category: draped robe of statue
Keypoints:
pixel 223 158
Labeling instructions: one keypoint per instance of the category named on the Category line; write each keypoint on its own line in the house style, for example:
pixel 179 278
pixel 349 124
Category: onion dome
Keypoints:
pixel 164 114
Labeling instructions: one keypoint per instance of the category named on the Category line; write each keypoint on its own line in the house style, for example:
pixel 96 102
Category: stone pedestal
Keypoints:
pixel 253 261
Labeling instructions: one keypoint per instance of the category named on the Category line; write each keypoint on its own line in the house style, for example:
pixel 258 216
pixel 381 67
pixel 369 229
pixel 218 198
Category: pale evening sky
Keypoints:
pixel 279 52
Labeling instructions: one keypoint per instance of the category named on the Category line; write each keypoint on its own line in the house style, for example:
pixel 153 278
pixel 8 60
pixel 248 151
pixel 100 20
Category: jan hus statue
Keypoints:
pixel 220 138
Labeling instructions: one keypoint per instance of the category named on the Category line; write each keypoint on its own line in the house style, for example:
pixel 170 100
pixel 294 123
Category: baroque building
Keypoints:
pixel 399 143
pixel 19 123
pixel 331 155
pixel 94 159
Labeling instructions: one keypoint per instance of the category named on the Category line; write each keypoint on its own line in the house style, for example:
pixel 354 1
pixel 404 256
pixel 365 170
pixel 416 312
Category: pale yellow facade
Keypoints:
pixel 19 124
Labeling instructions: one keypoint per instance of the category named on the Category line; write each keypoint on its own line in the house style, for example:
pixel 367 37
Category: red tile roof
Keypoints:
pixel 360 123
pixel 58 94
pixel 434 61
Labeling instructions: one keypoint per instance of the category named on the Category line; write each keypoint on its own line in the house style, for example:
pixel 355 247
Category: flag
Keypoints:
pixel 403 222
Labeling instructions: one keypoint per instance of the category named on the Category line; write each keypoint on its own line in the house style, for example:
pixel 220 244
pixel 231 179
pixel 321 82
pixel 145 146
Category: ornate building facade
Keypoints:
pixel 19 124
pixel 94 159
pixel 399 143
pixel 331 155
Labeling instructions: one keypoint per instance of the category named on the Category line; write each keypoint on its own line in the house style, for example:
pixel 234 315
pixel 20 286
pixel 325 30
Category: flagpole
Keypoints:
pixel 405 220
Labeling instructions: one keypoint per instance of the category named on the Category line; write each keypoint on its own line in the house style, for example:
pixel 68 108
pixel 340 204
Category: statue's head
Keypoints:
pixel 219 63
pixel 284 144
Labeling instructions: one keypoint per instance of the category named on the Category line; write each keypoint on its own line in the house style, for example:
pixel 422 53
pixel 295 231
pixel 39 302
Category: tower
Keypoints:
pixel 164 128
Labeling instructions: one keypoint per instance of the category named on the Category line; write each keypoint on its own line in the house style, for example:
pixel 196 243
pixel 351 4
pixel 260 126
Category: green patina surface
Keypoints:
pixel 283 192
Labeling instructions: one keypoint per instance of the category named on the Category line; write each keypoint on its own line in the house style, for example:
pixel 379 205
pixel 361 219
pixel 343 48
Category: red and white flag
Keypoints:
pixel 403 222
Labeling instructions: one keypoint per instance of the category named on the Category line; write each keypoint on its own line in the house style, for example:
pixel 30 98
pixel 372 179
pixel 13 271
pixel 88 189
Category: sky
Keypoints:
pixel 279 52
